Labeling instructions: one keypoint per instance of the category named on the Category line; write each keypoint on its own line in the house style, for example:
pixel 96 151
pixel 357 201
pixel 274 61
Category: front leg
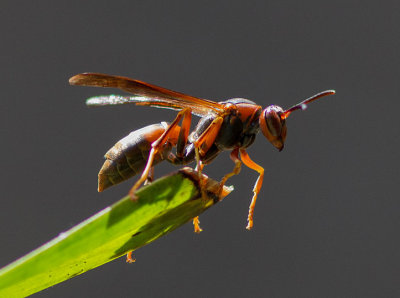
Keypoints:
pixel 257 187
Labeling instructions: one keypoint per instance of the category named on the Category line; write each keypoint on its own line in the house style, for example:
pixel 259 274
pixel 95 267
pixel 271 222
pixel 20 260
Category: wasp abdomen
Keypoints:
pixel 128 156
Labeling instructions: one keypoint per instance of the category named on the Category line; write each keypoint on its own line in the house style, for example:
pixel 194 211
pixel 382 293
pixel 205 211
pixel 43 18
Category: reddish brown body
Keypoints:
pixel 128 157
pixel 228 125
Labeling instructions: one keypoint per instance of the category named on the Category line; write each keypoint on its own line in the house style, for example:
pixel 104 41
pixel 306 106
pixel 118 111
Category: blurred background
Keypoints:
pixel 328 217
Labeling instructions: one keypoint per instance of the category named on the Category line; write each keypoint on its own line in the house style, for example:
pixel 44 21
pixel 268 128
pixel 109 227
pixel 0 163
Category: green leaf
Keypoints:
pixel 125 226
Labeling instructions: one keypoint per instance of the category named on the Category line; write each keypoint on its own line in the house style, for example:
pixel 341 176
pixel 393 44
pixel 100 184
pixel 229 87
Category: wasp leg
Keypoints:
pixel 196 220
pixel 201 146
pixel 236 170
pixel 196 224
pixel 205 141
pixel 170 135
pixel 183 134
pixel 187 158
pixel 199 166
pixel 150 177
pixel 207 138
pixel 172 158
pixel 129 258
pixel 257 187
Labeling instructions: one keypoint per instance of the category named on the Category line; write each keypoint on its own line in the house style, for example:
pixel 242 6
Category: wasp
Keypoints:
pixel 230 125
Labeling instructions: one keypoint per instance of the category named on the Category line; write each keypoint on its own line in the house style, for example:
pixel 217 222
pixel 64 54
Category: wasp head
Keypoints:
pixel 273 126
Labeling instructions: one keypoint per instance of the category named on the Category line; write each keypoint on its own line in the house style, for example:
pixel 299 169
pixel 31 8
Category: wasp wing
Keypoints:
pixel 107 100
pixel 144 94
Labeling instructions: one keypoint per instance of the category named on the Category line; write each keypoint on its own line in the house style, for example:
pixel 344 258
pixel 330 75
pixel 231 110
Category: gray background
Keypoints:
pixel 328 218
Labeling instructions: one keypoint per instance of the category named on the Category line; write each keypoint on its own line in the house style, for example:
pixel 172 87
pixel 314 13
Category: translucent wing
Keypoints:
pixel 107 100
pixel 144 94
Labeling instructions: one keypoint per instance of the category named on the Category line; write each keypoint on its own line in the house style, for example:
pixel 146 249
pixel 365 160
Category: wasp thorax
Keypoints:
pixel 273 126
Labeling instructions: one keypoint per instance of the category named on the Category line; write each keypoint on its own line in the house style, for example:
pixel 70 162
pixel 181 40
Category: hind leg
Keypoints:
pixel 172 134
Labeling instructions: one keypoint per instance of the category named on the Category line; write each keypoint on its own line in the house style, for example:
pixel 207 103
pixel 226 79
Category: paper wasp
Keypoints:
pixel 227 125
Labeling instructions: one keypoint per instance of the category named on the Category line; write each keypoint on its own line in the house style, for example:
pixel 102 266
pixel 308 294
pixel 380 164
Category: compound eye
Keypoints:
pixel 273 126
pixel 273 123
pixel 273 120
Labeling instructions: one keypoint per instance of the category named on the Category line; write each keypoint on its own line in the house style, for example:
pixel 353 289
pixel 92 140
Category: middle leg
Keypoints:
pixel 236 170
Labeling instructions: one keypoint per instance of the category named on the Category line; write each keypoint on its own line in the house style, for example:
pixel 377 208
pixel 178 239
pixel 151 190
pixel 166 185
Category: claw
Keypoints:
pixel 196 224
pixel 129 258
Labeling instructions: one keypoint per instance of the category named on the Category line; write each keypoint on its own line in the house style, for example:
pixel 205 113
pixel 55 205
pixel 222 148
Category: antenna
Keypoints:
pixel 303 105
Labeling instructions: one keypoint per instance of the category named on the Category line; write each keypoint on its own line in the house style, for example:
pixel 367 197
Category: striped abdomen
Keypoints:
pixel 129 156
